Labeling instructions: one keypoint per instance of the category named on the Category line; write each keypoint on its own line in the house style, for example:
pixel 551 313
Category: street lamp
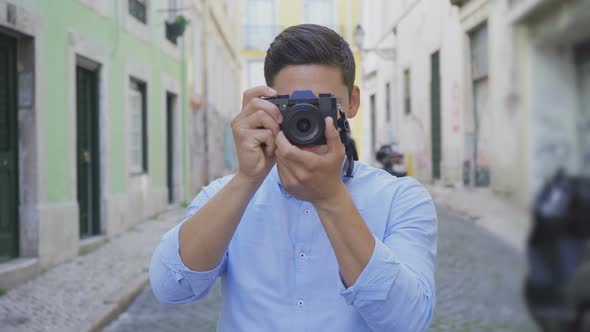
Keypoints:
pixel 359 38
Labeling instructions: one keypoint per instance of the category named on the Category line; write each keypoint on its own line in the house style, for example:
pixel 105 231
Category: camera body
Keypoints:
pixel 303 116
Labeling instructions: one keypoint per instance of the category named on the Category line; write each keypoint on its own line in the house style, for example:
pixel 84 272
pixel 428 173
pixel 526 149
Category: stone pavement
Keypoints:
pixel 87 292
pixel 146 314
pixel 501 218
pixel 478 280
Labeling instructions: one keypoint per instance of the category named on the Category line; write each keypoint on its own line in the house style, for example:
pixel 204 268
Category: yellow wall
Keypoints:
pixel 290 13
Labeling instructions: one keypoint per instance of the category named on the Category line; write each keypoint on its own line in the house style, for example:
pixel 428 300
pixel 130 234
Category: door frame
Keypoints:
pixel 86 53
pixel 172 123
pixel 87 64
pixel 432 120
pixel 31 166
pixel 14 140
pixel 171 85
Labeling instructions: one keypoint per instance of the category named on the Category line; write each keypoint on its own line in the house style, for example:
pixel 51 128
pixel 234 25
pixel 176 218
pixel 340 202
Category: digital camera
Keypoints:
pixel 303 116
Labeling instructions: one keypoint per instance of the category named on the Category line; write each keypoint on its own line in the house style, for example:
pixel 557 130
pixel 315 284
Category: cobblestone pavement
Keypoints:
pixel 478 278
pixel 79 294
pixel 478 281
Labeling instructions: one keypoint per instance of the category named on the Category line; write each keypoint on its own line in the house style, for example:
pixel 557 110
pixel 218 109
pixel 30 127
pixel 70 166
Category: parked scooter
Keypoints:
pixel 557 288
pixel 392 160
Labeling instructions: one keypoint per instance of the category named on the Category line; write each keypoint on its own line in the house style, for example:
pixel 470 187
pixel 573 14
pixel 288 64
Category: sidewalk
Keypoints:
pixel 502 219
pixel 86 293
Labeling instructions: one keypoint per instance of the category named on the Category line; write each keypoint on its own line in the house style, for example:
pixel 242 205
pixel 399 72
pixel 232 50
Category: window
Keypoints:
pixel 478 122
pixel 137 127
pixel 259 27
pixel 479 53
pixel 170 26
pixel 138 9
pixel 322 12
pixel 388 101
pixel 407 92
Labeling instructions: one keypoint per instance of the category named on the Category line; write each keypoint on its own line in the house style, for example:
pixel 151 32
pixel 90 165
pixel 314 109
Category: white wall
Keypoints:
pixel 552 91
pixel 378 68
pixel 424 28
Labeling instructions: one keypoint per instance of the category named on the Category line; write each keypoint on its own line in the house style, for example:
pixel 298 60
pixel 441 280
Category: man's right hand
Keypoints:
pixel 204 237
pixel 254 130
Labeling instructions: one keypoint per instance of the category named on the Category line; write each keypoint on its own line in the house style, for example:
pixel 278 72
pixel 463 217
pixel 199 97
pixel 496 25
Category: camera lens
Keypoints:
pixel 303 125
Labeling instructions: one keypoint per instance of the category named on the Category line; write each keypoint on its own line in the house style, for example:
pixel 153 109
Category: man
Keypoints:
pixel 298 246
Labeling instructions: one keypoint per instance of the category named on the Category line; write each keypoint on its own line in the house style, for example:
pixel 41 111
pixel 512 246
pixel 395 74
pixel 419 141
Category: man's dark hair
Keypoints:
pixel 309 44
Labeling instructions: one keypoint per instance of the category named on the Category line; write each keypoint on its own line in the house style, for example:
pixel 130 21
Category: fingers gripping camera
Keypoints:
pixel 303 121
pixel 303 116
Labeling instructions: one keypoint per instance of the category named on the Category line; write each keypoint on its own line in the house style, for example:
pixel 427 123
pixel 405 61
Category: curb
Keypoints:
pixel 119 306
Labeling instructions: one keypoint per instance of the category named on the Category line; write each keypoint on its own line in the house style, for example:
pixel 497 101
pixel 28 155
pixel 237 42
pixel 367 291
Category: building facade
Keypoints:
pixel 412 75
pixel 93 103
pixel 214 67
pixel 262 20
pixel 536 96
pixel 484 93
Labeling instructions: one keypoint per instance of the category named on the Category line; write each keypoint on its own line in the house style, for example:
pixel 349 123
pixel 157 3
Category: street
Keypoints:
pixel 478 289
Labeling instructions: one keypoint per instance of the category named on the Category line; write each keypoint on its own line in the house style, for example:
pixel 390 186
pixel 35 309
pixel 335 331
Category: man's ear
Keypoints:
pixel 355 102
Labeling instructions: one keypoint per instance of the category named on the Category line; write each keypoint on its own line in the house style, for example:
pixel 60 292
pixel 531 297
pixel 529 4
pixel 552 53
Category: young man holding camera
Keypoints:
pixel 299 242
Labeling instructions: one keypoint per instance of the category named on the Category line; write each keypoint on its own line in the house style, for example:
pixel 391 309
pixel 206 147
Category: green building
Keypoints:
pixel 93 139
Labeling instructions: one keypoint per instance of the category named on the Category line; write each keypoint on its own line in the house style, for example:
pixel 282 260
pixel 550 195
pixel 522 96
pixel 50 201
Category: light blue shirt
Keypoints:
pixel 280 272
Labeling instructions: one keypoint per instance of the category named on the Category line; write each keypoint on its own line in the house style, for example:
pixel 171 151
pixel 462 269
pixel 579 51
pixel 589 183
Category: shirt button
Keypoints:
pixel 300 304
pixel 301 255
pixel 286 194
pixel 306 211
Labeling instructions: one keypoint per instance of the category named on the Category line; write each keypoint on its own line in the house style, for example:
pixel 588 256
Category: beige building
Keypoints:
pixel 214 71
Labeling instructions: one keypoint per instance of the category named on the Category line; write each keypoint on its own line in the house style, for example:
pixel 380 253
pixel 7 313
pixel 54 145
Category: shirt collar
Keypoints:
pixel 274 172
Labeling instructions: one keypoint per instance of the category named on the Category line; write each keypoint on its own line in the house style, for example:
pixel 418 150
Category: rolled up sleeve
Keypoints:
pixel 170 279
pixel 396 290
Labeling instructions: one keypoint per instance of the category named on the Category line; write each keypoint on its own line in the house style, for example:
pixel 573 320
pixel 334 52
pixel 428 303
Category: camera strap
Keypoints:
pixel 349 145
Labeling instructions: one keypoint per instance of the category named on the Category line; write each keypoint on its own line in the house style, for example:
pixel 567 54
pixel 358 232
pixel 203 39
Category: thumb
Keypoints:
pixel 332 135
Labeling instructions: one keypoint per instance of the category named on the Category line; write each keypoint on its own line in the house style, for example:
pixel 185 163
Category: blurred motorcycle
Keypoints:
pixel 557 287
pixel 392 160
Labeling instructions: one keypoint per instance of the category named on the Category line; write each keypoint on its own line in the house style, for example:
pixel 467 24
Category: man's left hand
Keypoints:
pixel 312 176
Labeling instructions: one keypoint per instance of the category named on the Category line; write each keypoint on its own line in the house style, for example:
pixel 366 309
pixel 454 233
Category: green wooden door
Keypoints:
pixel 170 146
pixel 435 115
pixel 8 150
pixel 87 151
